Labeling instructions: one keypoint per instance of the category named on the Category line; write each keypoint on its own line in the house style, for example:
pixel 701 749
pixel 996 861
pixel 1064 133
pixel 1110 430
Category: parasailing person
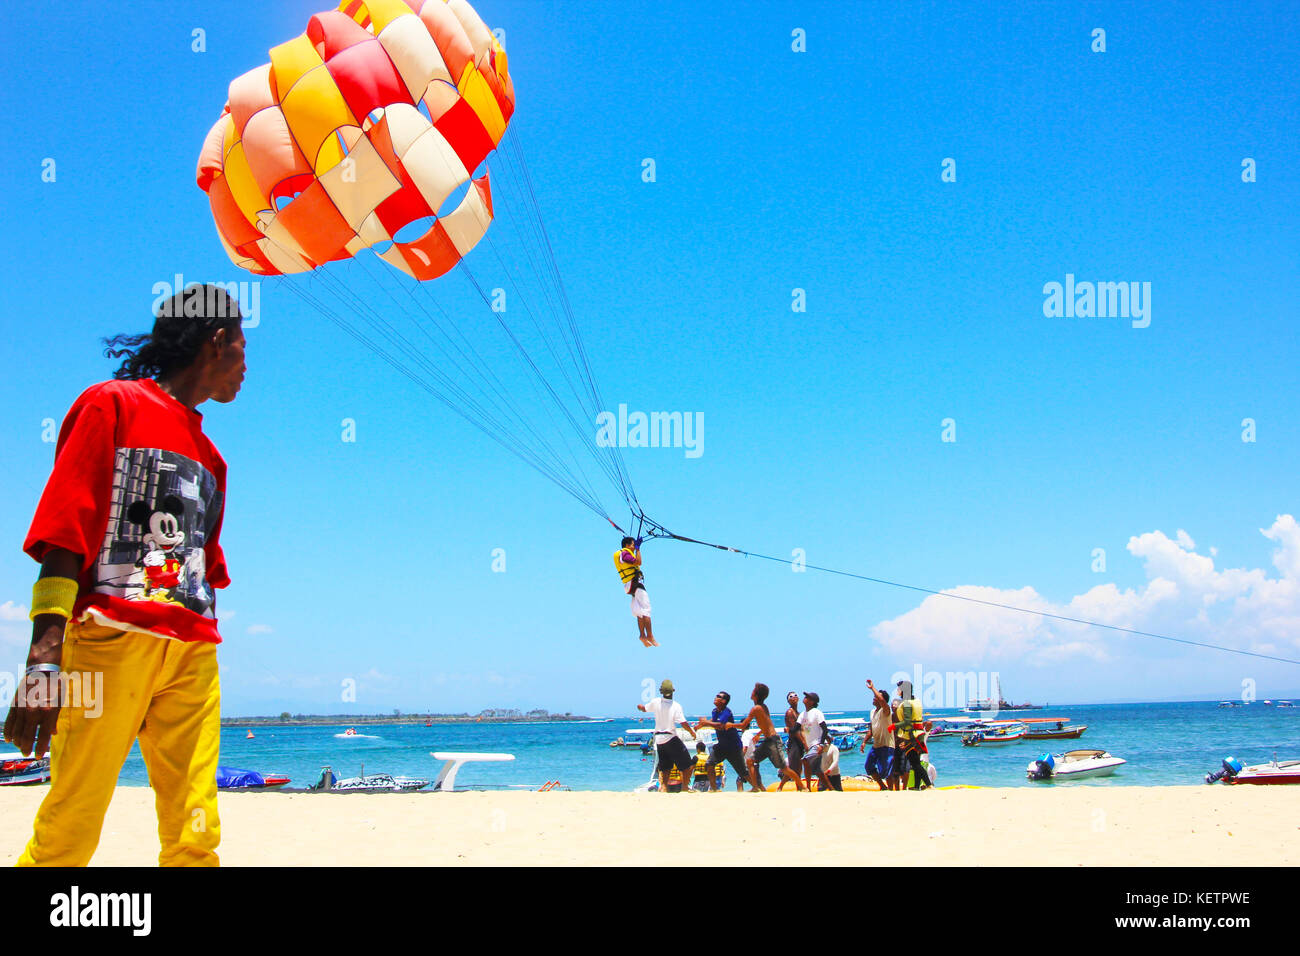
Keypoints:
pixel 628 561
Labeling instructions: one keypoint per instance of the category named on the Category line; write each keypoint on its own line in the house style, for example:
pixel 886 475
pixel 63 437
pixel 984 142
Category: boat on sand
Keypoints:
pixel 17 770
pixel 1286 771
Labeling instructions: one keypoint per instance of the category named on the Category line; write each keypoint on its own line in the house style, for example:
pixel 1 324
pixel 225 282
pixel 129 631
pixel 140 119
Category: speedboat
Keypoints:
pixel 374 783
pixel 17 770
pixel 1288 771
pixel 1073 765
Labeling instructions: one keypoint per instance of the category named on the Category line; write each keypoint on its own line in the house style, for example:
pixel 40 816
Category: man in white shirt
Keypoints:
pixel 813 725
pixel 669 749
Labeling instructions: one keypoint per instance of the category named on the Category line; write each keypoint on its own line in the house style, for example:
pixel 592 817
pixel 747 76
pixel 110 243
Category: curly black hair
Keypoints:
pixel 181 325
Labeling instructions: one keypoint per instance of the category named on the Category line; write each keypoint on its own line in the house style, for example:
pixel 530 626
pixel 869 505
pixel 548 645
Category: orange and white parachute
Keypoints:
pixel 367 122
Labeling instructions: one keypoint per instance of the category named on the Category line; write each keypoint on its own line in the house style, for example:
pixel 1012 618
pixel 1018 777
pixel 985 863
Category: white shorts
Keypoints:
pixel 640 602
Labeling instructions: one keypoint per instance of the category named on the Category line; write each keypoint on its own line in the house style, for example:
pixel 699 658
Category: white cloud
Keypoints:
pixel 9 611
pixel 15 634
pixel 260 629
pixel 1185 596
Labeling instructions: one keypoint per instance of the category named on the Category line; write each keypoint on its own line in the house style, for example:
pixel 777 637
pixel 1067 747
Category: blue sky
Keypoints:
pixel 775 170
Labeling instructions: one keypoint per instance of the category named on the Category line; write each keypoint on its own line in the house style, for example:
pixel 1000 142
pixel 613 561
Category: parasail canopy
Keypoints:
pixel 364 124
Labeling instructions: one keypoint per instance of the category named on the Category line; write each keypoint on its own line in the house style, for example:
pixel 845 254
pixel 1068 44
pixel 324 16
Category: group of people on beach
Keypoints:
pixel 898 739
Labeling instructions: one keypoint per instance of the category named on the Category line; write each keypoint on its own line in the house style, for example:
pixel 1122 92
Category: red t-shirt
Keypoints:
pixel 138 490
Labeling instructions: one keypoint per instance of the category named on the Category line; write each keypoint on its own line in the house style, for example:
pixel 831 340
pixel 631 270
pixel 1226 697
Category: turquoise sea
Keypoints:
pixel 1164 743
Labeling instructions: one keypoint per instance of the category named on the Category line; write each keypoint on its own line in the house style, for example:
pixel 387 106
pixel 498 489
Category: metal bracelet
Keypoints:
pixel 42 669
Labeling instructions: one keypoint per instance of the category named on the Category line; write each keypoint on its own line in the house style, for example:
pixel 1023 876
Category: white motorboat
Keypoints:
pixel 1073 765
pixel 373 783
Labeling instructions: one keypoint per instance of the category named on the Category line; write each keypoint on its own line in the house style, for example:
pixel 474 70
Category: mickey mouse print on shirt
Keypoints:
pixel 162 537
pixel 163 510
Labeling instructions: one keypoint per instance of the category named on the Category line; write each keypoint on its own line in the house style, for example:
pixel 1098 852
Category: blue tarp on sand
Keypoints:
pixel 229 778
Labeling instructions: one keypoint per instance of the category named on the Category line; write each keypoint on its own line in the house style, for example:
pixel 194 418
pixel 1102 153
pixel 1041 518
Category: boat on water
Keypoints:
pixel 351 734
pixel 1285 703
pixel 1052 728
pixel 945 727
pixel 994 735
pixel 231 778
pixel 1286 771
pixel 990 707
pixel 846 732
pixel 372 783
pixel 17 770
pixel 643 740
pixel 1074 765
pixel 633 739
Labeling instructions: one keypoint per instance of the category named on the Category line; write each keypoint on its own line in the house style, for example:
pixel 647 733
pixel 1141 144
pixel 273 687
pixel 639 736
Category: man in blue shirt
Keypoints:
pixel 728 747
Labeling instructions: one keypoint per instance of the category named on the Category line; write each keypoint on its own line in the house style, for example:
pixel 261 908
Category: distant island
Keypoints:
pixel 494 715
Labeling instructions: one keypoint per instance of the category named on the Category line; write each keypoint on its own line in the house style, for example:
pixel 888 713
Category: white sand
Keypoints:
pixel 1058 825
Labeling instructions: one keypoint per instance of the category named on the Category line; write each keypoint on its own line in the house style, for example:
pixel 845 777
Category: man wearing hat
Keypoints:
pixel 670 752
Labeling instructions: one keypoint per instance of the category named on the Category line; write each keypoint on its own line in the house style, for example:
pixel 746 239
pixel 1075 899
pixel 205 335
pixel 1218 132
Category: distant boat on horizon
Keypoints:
pixel 987 706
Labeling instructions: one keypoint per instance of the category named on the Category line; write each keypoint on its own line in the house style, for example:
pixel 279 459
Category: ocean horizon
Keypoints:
pixel 1165 743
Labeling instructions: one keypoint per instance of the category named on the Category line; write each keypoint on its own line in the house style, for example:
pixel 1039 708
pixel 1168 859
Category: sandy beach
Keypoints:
pixel 1062 826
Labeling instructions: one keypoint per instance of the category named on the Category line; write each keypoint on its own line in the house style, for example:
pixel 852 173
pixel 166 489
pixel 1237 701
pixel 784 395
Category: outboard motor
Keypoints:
pixel 1045 765
pixel 1231 767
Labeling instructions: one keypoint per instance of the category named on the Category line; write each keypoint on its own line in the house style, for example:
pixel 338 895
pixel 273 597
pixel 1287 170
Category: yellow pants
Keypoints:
pixel 168 695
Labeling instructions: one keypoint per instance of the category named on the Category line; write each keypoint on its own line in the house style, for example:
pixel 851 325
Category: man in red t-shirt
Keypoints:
pixel 124 612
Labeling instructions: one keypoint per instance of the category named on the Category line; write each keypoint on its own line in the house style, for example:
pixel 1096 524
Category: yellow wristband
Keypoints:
pixel 54 596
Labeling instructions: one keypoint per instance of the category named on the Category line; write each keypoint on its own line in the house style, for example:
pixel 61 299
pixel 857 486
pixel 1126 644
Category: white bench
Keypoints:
pixel 452 762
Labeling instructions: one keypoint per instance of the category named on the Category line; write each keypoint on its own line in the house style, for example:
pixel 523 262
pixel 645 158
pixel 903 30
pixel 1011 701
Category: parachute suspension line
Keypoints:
pixel 469 410
pixel 658 531
pixel 613 475
pixel 583 432
pixel 488 380
pixel 518 169
pixel 553 293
